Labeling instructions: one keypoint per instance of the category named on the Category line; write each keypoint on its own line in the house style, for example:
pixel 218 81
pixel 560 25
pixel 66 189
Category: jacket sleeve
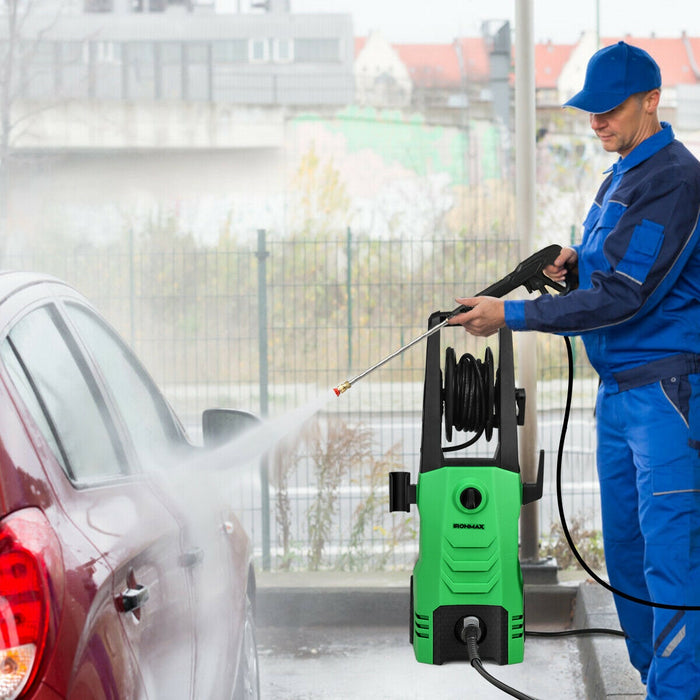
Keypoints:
pixel 645 253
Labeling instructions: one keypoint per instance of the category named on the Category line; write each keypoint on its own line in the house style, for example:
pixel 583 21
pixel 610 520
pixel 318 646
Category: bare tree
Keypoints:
pixel 23 28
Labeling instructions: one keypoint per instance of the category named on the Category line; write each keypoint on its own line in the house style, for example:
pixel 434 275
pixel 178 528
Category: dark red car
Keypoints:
pixel 120 577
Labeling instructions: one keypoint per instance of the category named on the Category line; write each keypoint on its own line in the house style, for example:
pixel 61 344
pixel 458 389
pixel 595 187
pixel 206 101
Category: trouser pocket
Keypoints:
pixel 694 411
pixel 678 391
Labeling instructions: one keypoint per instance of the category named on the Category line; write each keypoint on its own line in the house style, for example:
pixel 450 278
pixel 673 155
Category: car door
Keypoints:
pixel 113 503
pixel 192 492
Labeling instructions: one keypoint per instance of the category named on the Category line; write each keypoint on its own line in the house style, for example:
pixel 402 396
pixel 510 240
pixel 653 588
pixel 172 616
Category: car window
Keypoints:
pixel 62 397
pixel 20 380
pixel 145 414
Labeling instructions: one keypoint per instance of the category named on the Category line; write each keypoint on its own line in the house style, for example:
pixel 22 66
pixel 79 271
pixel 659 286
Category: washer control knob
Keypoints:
pixel 471 498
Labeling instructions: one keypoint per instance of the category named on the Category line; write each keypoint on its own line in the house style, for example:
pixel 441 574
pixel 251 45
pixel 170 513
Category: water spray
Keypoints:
pixel 529 274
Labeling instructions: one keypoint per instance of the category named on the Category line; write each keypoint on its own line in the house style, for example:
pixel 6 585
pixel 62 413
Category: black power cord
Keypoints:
pixel 576 633
pixel 469 634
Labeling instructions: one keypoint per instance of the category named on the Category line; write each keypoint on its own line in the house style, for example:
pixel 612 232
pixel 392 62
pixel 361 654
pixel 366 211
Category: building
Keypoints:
pixel 260 59
pixel 462 77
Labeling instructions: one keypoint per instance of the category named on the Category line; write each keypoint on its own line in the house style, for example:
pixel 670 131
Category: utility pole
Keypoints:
pixel 525 203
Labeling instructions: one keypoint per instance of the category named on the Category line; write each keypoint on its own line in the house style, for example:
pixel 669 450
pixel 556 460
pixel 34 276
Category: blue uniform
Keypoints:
pixel 637 310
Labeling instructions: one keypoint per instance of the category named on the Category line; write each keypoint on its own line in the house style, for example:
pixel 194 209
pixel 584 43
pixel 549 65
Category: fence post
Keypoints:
pixel 132 286
pixel 262 255
pixel 348 284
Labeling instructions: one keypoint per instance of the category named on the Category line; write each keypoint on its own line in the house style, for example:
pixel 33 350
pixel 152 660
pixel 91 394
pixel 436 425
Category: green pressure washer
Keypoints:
pixel 468 571
pixel 467 585
pixel 469 510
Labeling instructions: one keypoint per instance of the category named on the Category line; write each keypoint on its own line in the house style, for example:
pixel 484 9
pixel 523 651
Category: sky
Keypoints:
pixel 562 21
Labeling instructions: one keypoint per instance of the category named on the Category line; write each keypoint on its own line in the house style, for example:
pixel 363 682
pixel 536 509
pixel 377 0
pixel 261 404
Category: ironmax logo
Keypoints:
pixel 468 526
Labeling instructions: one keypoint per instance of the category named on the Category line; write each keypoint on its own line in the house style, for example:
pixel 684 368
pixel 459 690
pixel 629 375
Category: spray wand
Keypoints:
pixel 529 274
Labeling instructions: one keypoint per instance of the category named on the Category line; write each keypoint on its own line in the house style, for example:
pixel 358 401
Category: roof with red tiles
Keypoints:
pixel 476 58
pixel 550 59
pixel 430 65
pixel 678 58
pixel 438 65
pixel 442 65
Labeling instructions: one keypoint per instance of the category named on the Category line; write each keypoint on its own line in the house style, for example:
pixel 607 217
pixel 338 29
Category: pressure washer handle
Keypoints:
pixel 529 274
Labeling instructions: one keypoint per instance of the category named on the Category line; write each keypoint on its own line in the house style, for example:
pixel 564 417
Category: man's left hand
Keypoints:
pixel 486 316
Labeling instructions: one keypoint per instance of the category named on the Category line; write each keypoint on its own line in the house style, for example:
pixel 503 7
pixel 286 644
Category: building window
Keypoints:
pixel 74 52
pixel 171 53
pixel 258 50
pixel 316 50
pixel 108 52
pixel 234 51
pixel 283 50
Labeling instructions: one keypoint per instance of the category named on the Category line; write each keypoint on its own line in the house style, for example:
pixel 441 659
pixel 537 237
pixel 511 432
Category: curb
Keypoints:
pixel 318 600
pixel 606 669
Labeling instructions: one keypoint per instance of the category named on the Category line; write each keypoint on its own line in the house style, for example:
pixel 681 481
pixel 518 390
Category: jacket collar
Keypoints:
pixel 644 150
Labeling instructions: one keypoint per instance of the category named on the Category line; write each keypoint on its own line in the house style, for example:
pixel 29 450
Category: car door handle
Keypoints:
pixel 132 599
pixel 192 557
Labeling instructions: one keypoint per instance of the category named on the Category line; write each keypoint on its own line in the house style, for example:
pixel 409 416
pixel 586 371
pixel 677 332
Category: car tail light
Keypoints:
pixel 28 550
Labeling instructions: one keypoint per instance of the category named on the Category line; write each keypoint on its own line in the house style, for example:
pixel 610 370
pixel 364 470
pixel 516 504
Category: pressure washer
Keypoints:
pixel 467 585
pixel 469 509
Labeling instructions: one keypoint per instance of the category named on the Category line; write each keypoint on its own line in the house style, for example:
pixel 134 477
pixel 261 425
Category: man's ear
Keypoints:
pixel 651 100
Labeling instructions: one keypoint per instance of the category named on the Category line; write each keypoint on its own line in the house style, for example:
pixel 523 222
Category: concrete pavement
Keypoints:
pixel 327 599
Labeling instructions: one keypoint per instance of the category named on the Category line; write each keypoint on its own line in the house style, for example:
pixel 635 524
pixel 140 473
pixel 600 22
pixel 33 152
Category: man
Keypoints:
pixel 637 309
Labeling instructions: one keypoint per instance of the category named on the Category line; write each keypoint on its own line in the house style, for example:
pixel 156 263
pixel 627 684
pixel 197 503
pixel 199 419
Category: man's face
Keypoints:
pixel 625 126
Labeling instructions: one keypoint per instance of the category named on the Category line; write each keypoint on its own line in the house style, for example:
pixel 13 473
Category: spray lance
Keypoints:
pixel 529 274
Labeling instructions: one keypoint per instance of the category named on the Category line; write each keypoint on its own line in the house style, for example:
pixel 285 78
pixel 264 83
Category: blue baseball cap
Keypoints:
pixel 613 74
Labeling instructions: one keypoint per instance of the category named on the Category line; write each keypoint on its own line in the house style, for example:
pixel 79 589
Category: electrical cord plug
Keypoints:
pixel 470 633
pixel 469 630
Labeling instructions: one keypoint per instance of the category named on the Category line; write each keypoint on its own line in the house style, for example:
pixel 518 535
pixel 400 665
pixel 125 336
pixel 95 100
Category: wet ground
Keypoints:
pixel 324 663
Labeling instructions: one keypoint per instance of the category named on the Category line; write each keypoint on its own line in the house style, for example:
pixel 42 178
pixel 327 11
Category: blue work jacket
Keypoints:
pixel 639 265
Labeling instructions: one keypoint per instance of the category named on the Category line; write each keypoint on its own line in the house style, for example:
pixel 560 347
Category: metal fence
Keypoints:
pixel 271 324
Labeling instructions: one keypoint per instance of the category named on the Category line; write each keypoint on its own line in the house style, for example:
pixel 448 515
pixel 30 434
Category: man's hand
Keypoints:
pixel 566 260
pixel 486 316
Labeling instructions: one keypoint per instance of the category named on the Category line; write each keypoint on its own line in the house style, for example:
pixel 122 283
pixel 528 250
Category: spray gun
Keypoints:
pixel 529 274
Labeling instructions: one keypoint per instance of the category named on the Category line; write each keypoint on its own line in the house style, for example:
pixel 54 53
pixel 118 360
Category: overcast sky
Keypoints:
pixel 562 21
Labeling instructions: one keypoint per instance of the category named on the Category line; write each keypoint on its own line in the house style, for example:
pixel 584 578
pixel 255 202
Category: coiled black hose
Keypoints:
pixel 469 396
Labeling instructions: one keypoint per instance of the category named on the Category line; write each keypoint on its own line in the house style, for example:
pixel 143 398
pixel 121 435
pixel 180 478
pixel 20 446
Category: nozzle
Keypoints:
pixel 342 387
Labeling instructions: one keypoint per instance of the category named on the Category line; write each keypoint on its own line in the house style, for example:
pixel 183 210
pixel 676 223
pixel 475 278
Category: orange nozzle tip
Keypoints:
pixel 341 388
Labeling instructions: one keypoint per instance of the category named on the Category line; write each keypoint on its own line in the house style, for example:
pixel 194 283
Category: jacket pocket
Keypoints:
pixel 642 251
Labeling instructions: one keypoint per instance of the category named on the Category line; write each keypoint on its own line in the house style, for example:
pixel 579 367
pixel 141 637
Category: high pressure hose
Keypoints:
pixel 469 396
pixel 560 506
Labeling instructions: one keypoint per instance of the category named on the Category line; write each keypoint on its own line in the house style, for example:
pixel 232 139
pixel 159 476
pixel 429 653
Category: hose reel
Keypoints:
pixel 470 397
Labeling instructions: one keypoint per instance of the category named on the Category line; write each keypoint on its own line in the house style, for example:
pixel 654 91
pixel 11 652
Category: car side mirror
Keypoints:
pixel 221 425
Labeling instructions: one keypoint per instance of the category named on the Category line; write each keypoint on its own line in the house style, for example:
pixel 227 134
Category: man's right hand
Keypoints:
pixel 566 261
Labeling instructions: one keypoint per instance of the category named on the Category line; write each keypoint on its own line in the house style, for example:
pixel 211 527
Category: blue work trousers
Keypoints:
pixel 650 495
